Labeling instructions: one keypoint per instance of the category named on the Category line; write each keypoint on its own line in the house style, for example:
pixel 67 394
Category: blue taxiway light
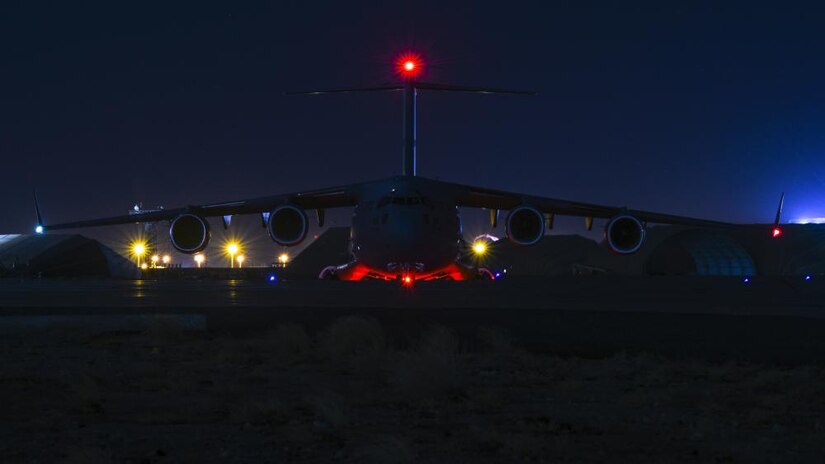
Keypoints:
pixel 807 277
pixel 747 280
pixel 272 278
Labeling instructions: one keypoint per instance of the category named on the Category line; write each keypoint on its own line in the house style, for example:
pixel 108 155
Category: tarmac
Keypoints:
pixel 766 319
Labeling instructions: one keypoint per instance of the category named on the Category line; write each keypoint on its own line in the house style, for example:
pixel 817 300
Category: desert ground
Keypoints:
pixel 357 385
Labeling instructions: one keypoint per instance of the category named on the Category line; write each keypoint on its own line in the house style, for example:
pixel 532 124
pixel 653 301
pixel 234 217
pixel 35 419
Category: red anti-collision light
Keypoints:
pixel 777 232
pixel 409 65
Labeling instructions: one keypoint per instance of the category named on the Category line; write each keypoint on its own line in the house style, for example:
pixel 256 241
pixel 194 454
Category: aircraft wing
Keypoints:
pixel 478 197
pixel 334 197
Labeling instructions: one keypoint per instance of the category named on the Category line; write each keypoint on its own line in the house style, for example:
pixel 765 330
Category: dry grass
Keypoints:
pixel 345 394
pixel 292 340
pixel 86 455
pixel 162 329
pixel 329 410
pixel 386 449
pixel 495 340
pixel 259 411
pixel 353 335
pixel 87 393
pixel 431 367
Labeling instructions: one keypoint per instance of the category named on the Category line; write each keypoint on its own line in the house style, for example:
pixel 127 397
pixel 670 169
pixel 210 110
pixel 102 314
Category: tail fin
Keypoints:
pixel 776 231
pixel 39 228
pixel 779 209
pixel 410 88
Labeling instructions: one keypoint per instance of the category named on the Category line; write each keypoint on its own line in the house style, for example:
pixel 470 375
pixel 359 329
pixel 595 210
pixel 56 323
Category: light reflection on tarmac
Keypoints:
pixel 767 319
pixel 764 296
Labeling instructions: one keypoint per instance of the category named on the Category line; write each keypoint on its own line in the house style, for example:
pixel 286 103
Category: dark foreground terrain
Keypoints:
pixel 403 384
pixel 349 394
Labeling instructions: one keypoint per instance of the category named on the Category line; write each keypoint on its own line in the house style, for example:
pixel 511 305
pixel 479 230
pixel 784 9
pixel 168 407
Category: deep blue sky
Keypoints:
pixel 700 109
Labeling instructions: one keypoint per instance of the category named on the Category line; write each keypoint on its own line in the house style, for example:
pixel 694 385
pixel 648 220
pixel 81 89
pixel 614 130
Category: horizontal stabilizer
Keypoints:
pixel 416 85
pixel 380 88
pixel 461 88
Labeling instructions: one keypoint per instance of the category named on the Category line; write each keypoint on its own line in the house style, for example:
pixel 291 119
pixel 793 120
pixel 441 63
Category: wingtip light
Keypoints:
pixel 38 230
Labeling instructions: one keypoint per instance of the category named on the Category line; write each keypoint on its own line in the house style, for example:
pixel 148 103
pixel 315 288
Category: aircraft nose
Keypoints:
pixel 409 227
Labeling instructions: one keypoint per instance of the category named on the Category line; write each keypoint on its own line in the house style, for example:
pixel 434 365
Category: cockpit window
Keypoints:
pixel 409 201
pixel 406 201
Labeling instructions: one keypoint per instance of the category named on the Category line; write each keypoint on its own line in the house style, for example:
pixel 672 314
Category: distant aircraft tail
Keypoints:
pixel 779 209
pixel 39 227
pixel 776 232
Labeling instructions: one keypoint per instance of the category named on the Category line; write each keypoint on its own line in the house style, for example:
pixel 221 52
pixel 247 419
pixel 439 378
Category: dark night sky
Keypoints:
pixel 705 109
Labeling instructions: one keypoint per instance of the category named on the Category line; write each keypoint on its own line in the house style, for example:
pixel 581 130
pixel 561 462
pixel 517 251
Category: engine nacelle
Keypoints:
pixel 189 233
pixel 624 234
pixel 525 225
pixel 287 225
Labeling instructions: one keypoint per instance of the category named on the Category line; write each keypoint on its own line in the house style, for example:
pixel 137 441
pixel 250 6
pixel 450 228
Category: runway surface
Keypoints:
pixel 765 319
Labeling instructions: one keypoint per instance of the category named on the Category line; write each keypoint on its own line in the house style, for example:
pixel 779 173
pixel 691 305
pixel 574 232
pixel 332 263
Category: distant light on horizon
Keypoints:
pixel 811 220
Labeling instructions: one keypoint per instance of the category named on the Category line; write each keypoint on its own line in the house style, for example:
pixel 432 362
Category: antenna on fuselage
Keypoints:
pixel 410 67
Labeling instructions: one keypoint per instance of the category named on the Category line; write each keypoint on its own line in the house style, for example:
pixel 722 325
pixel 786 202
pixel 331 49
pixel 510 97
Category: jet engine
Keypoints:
pixel 287 225
pixel 624 234
pixel 189 233
pixel 525 225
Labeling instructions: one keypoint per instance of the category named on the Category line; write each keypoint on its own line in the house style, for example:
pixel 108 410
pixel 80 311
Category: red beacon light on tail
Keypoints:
pixel 776 232
pixel 409 66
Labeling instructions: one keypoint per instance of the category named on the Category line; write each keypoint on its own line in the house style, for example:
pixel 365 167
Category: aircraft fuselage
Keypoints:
pixel 406 224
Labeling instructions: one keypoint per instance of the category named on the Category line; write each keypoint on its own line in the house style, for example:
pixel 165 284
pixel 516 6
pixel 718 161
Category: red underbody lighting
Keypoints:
pixel 777 232
pixel 409 65
pixel 451 272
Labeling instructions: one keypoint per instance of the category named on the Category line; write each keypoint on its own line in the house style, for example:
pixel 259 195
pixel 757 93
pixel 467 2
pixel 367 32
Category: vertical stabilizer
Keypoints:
pixel 409 68
pixel 408 130
pixel 779 209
